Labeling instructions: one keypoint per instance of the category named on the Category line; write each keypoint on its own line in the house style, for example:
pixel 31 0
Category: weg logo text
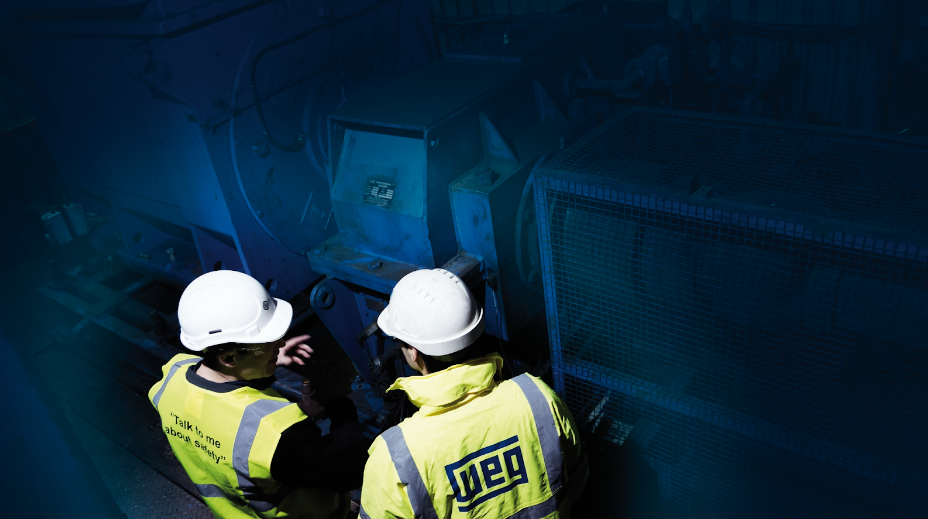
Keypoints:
pixel 487 473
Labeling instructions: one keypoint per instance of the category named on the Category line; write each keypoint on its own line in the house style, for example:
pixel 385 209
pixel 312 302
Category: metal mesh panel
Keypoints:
pixel 864 176
pixel 769 367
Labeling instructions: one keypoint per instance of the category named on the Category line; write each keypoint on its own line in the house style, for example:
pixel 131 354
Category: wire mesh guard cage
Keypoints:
pixel 747 300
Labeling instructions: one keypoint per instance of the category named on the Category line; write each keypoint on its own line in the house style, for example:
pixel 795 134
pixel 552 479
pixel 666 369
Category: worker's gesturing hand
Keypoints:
pixel 294 351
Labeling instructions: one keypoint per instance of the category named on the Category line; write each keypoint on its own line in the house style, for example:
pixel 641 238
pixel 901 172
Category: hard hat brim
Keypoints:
pixel 444 347
pixel 276 327
pixel 273 330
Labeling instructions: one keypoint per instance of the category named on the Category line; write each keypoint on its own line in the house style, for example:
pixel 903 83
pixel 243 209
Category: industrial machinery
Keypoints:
pixel 431 171
pixel 746 302
pixel 198 137
pixel 197 129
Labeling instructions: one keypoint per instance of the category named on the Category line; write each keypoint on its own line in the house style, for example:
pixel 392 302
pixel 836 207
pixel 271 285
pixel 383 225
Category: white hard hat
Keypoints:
pixel 227 306
pixel 434 312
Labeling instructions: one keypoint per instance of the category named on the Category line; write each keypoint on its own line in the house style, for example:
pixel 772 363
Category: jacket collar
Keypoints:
pixel 226 387
pixel 451 387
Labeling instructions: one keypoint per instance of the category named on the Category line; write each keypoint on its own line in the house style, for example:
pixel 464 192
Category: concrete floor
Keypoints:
pixel 139 490
pixel 115 425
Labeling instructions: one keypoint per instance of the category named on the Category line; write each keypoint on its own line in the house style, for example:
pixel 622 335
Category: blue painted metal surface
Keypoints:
pixel 430 170
pixel 329 297
pixel 762 342
pixel 150 112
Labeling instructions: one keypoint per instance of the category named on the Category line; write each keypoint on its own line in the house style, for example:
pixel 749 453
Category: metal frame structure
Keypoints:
pixel 747 302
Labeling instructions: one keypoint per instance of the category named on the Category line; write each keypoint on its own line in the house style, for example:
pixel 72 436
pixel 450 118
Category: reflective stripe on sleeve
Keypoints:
pixel 538 511
pixel 241 451
pixel 208 490
pixel 171 372
pixel 547 430
pixel 260 506
pixel 422 507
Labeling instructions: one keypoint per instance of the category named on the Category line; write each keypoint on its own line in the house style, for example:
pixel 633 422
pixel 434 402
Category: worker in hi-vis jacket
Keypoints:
pixel 477 447
pixel 250 452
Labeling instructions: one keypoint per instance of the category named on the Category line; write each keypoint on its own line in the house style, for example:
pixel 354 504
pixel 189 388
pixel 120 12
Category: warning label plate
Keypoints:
pixel 379 192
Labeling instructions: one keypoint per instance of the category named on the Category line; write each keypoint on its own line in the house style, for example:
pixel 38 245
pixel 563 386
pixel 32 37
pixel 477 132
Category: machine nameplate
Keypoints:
pixel 379 192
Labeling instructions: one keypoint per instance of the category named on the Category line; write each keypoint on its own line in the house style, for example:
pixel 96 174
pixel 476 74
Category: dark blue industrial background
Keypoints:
pixel 329 147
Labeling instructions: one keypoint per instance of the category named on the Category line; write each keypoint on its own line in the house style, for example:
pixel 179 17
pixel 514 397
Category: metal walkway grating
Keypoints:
pixel 862 176
pixel 767 364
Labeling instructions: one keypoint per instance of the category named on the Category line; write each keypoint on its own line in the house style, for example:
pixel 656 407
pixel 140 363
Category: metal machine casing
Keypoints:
pixel 432 167
pixel 151 117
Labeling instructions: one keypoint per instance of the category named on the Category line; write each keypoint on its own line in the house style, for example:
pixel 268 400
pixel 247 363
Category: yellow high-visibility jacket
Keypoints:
pixel 225 436
pixel 476 449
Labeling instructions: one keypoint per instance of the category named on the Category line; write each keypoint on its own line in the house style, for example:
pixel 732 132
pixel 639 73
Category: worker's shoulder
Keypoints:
pixel 380 473
pixel 379 452
pixel 182 356
pixel 181 359
pixel 544 388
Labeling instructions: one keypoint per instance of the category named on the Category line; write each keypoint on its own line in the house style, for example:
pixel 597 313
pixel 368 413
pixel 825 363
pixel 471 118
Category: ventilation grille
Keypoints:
pixel 767 367
pixel 860 176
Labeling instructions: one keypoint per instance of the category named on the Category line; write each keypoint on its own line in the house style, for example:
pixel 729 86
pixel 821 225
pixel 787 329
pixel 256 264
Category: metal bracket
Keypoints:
pixel 362 336
pixel 464 265
pixel 494 143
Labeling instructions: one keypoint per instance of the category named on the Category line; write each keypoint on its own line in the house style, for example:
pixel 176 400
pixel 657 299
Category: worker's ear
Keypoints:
pixel 415 359
pixel 412 356
pixel 227 359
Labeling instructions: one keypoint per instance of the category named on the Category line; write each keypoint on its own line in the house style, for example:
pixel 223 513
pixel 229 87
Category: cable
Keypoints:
pixel 499 330
pixel 300 140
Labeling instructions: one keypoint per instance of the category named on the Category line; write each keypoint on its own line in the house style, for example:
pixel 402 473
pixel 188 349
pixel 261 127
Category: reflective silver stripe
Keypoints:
pixel 547 430
pixel 422 507
pixel 538 511
pixel 208 490
pixel 364 514
pixel 261 506
pixel 241 450
pixel 171 372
